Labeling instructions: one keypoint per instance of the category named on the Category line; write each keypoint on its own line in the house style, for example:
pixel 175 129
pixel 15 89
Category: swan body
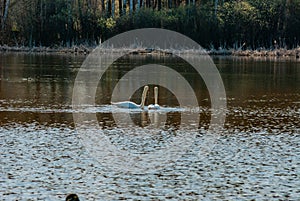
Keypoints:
pixel 132 105
pixel 127 104
pixel 155 106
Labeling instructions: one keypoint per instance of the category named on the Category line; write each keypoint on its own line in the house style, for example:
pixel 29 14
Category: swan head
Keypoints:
pixel 146 88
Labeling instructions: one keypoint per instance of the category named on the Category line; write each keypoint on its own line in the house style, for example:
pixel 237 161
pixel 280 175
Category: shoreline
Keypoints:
pixel 63 50
pixel 289 53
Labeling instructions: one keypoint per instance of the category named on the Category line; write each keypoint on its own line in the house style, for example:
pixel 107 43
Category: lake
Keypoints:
pixel 256 156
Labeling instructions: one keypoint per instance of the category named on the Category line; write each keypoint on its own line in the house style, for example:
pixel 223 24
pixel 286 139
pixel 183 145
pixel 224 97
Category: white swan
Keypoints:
pixel 155 106
pixel 132 105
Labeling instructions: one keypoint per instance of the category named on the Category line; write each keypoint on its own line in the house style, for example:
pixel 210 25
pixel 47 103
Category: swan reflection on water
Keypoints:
pixel 142 118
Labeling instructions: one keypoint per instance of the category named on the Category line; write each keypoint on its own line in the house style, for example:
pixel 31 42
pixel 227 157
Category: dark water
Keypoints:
pixel 256 157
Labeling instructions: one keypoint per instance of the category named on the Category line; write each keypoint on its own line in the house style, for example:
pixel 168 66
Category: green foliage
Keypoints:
pixel 237 20
pixel 293 25
pixel 255 23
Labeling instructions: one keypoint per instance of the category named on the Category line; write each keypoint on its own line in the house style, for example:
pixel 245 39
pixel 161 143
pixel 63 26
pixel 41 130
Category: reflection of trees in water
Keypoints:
pixel 51 119
pixel 246 78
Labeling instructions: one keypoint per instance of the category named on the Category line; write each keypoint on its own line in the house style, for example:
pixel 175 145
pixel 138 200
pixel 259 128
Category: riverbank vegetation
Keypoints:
pixel 214 24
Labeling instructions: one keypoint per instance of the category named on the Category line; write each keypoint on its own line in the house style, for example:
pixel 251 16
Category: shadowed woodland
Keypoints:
pixel 214 24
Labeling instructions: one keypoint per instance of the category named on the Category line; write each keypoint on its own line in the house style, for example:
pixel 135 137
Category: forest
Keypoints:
pixel 250 24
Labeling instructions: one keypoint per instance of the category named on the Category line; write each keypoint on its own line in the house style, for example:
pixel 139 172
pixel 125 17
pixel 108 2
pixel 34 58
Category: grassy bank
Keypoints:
pixel 293 53
pixel 64 50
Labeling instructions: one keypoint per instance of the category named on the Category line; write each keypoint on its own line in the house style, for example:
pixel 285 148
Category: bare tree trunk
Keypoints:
pixel 216 7
pixel 169 3
pixel 124 6
pixel 120 8
pixel 134 5
pixel 154 4
pixel 130 6
pixel 42 21
pixel 286 14
pixel 6 3
pixel 108 8
pixel 159 5
pixel 103 5
pixel 2 10
pixel 285 22
pixel 138 4
pixel 113 8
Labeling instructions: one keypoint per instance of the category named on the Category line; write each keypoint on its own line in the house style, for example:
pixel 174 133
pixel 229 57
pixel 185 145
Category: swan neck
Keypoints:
pixel 144 97
pixel 155 95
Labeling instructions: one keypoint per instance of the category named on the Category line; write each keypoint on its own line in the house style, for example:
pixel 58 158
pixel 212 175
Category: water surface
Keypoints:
pixel 256 157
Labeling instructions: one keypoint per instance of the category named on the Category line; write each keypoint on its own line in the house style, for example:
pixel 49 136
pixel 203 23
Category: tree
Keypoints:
pixel 5 7
pixel 238 20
